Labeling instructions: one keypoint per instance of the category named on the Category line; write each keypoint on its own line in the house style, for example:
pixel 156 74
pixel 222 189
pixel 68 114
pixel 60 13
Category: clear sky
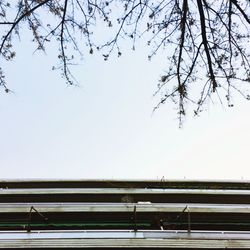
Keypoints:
pixel 105 127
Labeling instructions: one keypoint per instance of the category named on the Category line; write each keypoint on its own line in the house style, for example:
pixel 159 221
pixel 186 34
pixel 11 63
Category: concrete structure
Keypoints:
pixel 97 214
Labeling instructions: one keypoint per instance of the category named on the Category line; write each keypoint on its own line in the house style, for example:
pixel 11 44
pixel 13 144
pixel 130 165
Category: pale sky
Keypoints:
pixel 105 128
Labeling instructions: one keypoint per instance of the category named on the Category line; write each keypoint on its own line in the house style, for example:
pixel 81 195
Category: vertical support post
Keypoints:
pixel 135 219
pixel 29 219
pixel 189 221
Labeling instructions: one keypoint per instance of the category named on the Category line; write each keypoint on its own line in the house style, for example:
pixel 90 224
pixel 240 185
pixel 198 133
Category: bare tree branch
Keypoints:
pixel 205 43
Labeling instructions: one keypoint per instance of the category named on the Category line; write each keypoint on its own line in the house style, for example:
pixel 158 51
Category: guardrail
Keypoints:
pixel 130 214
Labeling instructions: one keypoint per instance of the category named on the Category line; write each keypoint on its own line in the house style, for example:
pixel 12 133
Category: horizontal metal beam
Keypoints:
pixel 125 243
pixel 123 207
pixel 125 234
pixel 162 183
pixel 134 183
pixel 153 240
pixel 125 191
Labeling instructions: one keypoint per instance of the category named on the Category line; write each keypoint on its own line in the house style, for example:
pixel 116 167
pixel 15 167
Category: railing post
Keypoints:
pixel 189 220
pixel 135 219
